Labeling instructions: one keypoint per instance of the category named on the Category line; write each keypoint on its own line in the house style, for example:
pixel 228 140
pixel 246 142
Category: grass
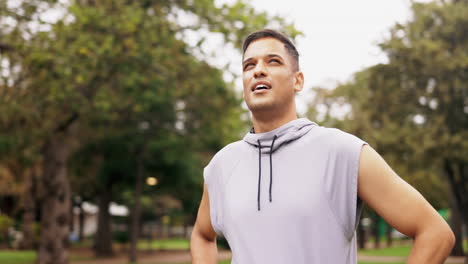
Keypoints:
pixel 381 262
pixel 398 251
pixel 228 262
pixel 28 257
pixel 174 243
pixel 17 257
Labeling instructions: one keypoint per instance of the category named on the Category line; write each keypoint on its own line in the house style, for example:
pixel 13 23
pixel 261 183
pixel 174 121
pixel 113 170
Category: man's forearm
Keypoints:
pixel 431 247
pixel 203 251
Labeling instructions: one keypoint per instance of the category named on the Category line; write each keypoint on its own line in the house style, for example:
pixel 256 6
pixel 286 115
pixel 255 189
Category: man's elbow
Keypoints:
pixel 199 235
pixel 446 235
pixel 203 248
pixel 449 237
pixel 196 234
pixel 442 235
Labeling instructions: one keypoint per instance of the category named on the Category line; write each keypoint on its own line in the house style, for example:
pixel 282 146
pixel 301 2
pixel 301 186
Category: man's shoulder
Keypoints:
pixel 223 161
pixel 335 138
pixel 331 134
pixel 229 153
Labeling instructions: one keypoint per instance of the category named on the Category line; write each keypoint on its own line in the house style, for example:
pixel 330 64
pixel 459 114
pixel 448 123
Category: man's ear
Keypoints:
pixel 298 81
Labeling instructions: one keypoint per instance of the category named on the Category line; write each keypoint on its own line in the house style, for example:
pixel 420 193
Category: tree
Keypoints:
pixel 413 109
pixel 103 65
pixel 431 53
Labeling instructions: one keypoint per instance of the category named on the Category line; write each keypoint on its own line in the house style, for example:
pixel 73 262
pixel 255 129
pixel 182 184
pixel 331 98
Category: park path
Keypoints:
pixel 393 259
pixel 183 256
pixel 155 257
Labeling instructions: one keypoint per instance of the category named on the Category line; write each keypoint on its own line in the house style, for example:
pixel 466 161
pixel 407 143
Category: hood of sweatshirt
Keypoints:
pixel 269 142
pixel 272 140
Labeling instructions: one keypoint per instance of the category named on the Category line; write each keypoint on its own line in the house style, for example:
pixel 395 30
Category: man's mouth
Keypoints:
pixel 260 86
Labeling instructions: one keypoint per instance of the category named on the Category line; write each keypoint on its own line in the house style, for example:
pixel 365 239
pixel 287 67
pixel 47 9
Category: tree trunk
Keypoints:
pixel 361 235
pixel 134 232
pixel 103 238
pixel 81 219
pixel 186 226
pixel 457 174
pixel 29 206
pixel 56 203
pixel 456 225
pixel 150 238
pixel 375 230
pixel 388 232
pixel 72 218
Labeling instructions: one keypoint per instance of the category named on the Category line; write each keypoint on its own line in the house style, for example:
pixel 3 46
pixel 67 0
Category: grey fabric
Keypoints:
pixel 314 211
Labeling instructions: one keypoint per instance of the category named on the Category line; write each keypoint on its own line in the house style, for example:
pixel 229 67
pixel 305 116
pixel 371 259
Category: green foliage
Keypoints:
pixel 120 237
pixel 5 224
pixel 414 109
pixel 127 67
pixel 222 243
pixel 118 82
pixel 116 64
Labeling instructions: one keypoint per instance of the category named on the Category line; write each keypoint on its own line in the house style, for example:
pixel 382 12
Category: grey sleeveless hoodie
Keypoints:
pixel 288 195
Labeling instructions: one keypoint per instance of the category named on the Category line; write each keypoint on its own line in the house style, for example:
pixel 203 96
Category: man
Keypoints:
pixel 291 191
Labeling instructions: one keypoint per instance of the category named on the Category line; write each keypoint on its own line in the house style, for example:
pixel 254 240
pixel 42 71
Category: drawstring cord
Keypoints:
pixel 259 173
pixel 271 165
pixel 260 170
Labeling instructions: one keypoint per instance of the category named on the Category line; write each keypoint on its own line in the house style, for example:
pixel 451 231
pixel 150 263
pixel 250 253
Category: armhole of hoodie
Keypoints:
pixel 358 203
pixel 216 176
pixel 212 185
pixel 344 201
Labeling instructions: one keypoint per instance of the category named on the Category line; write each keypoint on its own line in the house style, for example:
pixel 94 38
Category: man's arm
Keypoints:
pixel 404 208
pixel 203 241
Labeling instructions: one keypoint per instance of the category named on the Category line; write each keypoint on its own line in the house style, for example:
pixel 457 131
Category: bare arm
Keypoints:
pixel 203 241
pixel 404 208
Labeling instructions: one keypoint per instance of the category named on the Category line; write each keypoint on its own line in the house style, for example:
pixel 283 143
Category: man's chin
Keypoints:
pixel 261 107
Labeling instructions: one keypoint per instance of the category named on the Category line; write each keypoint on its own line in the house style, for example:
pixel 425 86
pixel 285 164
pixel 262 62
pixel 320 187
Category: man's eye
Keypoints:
pixel 275 60
pixel 249 65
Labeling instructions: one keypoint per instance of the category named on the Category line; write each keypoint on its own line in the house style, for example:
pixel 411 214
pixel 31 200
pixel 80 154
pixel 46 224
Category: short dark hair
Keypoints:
pixel 270 33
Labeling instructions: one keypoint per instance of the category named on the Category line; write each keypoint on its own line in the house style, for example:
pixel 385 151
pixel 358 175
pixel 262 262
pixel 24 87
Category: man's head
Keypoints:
pixel 269 33
pixel 271 75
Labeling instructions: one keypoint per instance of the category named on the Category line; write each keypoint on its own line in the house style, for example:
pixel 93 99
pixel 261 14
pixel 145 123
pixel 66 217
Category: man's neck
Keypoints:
pixel 265 123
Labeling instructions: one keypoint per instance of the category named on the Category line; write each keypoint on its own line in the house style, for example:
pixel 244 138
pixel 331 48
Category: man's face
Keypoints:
pixel 269 76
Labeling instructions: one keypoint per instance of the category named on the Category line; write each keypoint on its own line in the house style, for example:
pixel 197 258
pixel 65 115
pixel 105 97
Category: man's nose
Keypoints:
pixel 260 70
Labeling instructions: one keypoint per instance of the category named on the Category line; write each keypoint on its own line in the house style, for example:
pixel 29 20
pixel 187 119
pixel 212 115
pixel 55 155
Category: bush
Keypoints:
pixel 222 242
pixel 120 237
pixel 5 224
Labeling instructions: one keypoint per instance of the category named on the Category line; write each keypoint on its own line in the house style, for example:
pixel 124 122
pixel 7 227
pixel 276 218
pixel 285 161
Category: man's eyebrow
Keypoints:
pixel 274 56
pixel 247 60
pixel 269 56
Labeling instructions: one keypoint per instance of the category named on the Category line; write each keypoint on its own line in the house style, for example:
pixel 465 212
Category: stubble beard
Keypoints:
pixel 269 107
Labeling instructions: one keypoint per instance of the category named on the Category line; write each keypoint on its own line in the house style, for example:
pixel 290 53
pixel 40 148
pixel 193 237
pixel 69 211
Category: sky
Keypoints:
pixel 340 36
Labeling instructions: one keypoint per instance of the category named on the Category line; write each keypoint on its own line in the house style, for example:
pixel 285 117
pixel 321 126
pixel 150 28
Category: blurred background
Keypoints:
pixel 109 111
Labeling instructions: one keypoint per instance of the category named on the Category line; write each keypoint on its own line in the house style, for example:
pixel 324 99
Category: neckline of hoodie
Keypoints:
pixel 291 126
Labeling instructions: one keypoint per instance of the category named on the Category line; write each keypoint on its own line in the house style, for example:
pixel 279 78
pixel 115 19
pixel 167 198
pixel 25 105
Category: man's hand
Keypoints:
pixel 404 208
pixel 203 241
